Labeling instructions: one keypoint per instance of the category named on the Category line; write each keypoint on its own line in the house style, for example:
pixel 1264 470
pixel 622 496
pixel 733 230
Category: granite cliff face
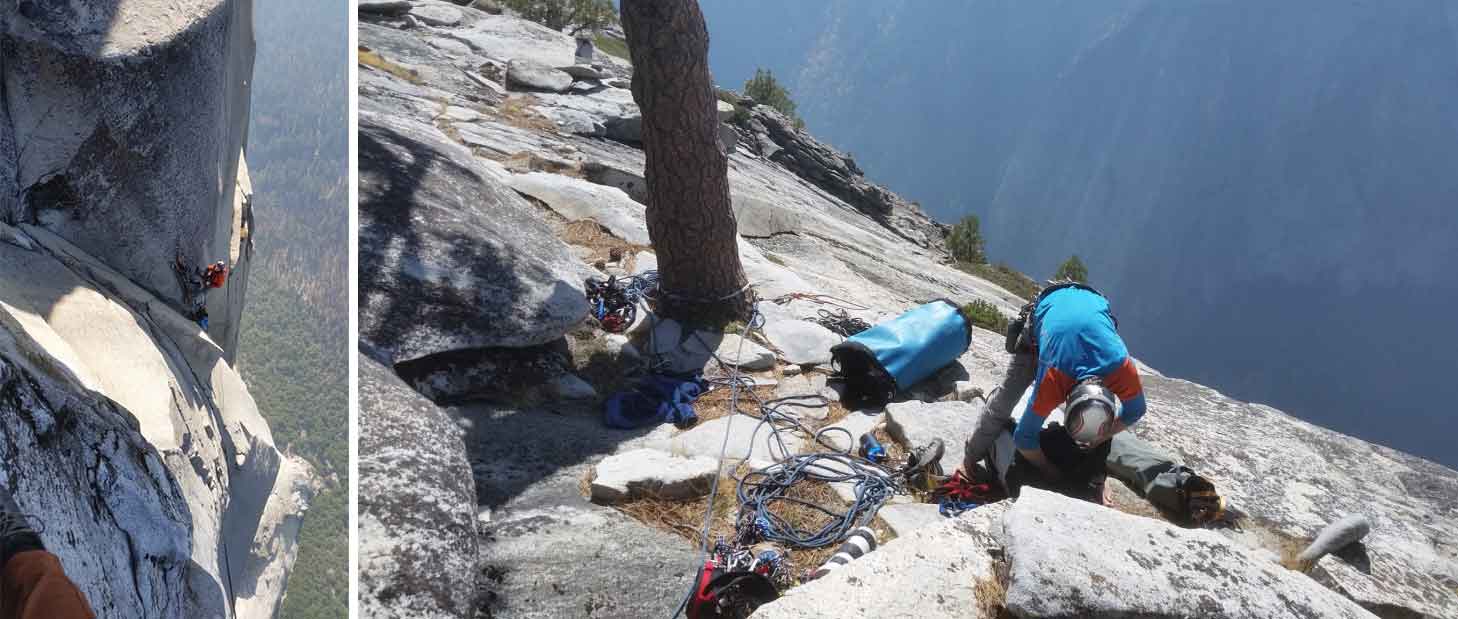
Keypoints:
pixel 127 432
pixel 484 203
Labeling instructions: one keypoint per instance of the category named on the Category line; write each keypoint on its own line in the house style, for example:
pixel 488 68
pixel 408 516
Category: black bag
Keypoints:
pixel 1083 471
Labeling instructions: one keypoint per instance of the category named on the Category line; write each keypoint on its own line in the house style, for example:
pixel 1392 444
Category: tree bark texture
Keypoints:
pixel 689 218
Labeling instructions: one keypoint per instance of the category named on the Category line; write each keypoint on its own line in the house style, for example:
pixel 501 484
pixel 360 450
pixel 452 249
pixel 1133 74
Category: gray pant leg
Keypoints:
pixel 999 409
pixel 1150 472
pixel 1135 462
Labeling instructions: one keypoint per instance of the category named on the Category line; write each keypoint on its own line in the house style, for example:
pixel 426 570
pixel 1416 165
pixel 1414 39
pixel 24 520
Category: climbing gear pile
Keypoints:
pixel 761 491
pixel 614 301
pixel 762 494
pixel 959 494
pixel 841 323
pixel 733 582
pixel 823 299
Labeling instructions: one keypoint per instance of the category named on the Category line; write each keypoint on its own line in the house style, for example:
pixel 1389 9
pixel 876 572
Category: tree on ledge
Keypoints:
pixel 1072 269
pixel 690 221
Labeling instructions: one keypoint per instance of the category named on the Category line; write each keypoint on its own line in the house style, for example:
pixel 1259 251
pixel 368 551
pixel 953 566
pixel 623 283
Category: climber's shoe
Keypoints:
pixel 1203 504
pixel 923 468
pixel 16 534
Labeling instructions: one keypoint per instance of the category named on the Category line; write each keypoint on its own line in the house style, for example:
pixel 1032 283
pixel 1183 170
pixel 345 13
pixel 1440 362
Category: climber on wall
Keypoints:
pixel 196 283
pixel 32 582
pixel 215 275
pixel 1066 344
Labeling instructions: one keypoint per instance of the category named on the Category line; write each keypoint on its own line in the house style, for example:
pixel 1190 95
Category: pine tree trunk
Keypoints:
pixel 690 221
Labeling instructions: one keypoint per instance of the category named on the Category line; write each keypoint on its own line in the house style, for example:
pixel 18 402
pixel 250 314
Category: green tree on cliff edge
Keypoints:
pixel 1073 269
pixel 965 241
pixel 766 90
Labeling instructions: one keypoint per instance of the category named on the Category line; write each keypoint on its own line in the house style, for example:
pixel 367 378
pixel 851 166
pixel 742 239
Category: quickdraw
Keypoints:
pixel 733 582
pixel 614 301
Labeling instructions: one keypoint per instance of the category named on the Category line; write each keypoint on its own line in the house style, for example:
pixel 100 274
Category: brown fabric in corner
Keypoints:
pixel 33 586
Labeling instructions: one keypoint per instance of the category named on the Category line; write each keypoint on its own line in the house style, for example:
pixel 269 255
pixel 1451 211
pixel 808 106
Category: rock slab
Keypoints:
pixel 918 423
pixel 450 257
pixel 530 75
pixel 650 472
pixel 417 513
pixel 1070 558
pixel 801 342
pixel 437 15
pixel 747 440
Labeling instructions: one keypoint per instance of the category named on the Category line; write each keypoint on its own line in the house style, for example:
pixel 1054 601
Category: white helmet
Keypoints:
pixel 1089 412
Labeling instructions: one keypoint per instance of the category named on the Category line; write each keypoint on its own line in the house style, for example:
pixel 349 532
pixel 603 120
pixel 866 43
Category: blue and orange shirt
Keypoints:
pixel 1077 340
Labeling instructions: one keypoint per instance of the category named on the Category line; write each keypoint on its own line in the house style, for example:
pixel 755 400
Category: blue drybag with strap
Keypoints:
pixel 896 354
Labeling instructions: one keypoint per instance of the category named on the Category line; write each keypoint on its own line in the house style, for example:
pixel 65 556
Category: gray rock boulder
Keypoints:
pixel 801 342
pixel 451 258
pixel 650 472
pixel 384 7
pixel 629 180
pixel 577 199
pixel 728 137
pixel 903 519
pixel 584 72
pixel 522 74
pixel 625 128
pixel 805 385
pixel 547 550
pixel 1070 558
pixel 737 351
pixel 725 111
pixel 918 423
pixel 417 512
pixel 1336 536
pixel 436 14
pixel 741 437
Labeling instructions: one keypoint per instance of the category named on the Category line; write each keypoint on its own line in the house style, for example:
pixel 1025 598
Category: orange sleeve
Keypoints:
pixel 1051 392
pixel 1124 381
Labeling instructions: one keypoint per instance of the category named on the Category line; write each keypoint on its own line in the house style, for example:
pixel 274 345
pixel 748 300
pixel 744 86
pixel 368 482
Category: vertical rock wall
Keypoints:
pixel 127 120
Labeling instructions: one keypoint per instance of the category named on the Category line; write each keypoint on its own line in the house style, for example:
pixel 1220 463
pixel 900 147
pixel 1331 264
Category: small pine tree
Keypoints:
pixel 766 90
pixel 1072 269
pixel 965 241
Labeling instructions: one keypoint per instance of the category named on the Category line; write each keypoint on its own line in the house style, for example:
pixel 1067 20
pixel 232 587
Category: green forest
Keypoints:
pixel 294 349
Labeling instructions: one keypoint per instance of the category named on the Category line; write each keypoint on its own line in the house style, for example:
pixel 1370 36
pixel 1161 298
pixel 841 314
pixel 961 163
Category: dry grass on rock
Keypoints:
pixel 519 111
pixel 590 234
pixel 373 59
pixel 685 518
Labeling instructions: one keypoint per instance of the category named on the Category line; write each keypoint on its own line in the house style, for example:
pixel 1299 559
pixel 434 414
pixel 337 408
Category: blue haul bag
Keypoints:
pixel 894 355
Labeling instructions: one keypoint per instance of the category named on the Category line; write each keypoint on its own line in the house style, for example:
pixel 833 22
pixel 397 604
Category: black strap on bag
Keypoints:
pixel 866 383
